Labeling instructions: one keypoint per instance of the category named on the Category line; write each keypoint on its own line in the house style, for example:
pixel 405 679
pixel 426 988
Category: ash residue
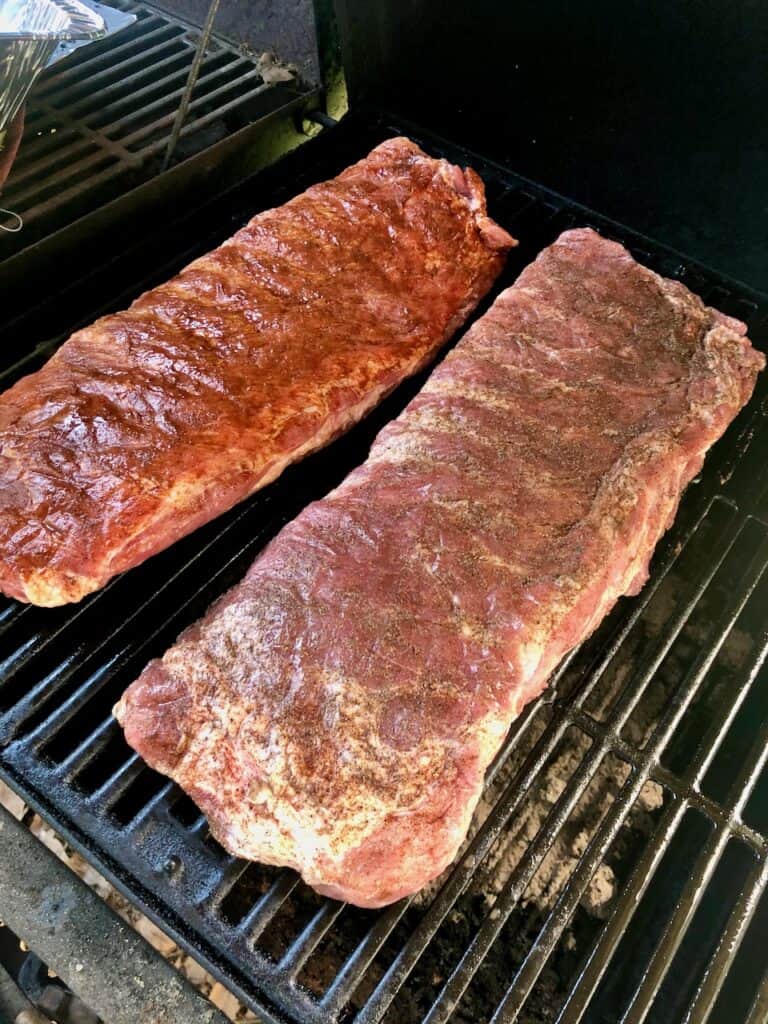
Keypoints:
pixel 541 883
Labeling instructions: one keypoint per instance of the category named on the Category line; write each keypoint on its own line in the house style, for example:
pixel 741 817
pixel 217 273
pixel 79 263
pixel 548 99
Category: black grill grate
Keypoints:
pixel 641 768
pixel 99 121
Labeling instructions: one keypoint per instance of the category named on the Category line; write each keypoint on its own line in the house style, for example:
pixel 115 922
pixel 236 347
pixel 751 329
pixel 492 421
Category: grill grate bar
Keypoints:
pixel 39 642
pixel 686 787
pixel 155 147
pixel 116 784
pixel 113 127
pixel 758 1013
pixel 49 163
pixel 158 799
pixel 167 120
pixel 713 738
pixel 621 914
pixel 59 716
pixel 78 124
pixel 107 53
pixel 635 687
pixel 58 191
pixel 11 614
pixel 85 751
pixel 515 792
pixel 752 573
pixel 529 971
pixel 96 131
pixel 633 892
pixel 9 664
pixel 641 880
pixel 703 1004
pixel 676 928
pixel 40 144
pixel 111 164
pixel 598 846
pixel 104 118
pixel 207 77
pixel 489 931
pixel 199 826
pixel 40 733
pixel 134 88
pixel 235 873
pixel 309 939
pixel 91 110
pixel 43 691
pixel 710 808
pixel 516 884
pixel 168 41
pixel 348 977
pixel 749 774
pixel 131 89
pixel 29 359
pixel 262 912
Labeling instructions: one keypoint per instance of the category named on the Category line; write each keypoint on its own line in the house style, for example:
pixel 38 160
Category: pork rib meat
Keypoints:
pixel 153 421
pixel 337 710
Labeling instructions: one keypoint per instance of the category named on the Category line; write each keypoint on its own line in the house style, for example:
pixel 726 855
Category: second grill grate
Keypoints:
pixel 98 122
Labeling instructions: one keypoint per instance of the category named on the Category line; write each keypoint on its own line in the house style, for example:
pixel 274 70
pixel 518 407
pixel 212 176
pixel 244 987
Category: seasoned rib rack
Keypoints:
pixel 337 710
pixel 152 421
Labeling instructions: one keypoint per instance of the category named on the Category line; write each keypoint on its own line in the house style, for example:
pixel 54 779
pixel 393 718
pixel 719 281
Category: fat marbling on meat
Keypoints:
pixel 154 420
pixel 337 710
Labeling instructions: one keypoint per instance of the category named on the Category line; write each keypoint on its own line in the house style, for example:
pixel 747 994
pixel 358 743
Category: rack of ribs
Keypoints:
pixel 336 711
pixel 157 419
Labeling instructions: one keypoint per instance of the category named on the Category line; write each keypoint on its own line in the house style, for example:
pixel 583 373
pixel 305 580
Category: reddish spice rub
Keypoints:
pixel 337 710
pixel 153 421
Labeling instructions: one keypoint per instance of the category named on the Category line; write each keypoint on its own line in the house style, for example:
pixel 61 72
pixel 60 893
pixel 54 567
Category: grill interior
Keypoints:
pixel 98 122
pixel 617 865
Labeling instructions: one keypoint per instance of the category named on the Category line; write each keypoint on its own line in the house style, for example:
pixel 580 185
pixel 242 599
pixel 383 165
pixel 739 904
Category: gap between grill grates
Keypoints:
pixel 641 769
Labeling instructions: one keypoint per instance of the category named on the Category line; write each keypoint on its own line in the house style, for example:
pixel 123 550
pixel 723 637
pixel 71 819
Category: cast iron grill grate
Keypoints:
pixel 617 867
pixel 99 122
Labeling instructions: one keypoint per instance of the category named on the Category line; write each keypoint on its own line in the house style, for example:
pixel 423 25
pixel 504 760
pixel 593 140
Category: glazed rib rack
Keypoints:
pixel 642 768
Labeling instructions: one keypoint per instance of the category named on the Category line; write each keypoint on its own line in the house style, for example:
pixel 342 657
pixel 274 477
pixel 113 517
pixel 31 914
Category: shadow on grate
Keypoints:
pixel 616 866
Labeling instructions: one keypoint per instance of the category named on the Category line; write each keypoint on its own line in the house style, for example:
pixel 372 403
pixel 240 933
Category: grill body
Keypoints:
pixel 659 720
pixel 652 113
